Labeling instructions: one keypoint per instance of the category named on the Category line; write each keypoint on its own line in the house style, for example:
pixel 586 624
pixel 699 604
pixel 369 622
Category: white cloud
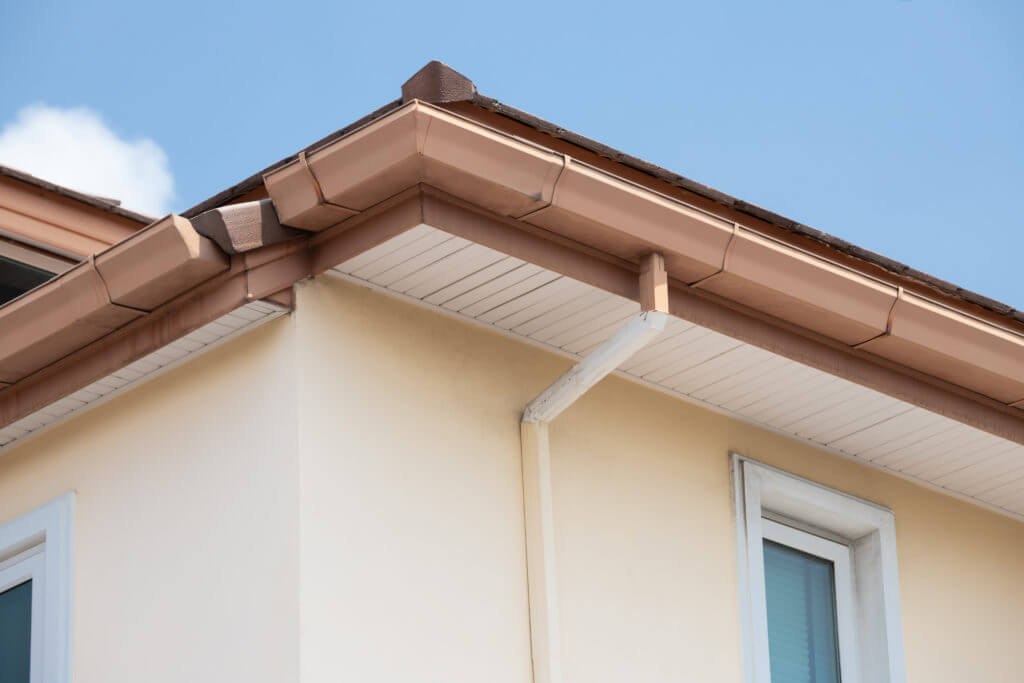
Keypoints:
pixel 75 148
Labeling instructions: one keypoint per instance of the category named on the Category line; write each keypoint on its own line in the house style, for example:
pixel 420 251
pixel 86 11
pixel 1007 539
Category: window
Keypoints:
pixel 24 267
pixel 35 595
pixel 17 278
pixel 19 579
pixel 807 587
pixel 818 586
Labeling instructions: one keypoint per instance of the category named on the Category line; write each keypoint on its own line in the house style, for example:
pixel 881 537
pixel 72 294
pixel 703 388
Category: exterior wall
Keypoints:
pixel 339 493
pixel 412 542
pixel 413 563
pixel 186 553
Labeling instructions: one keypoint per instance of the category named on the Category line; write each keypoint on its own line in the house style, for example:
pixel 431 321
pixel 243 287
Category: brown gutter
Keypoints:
pixel 268 270
pixel 735 320
pixel 440 84
pixel 102 294
pixel 579 204
pixel 493 113
pixel 159 286
pixel 418 163
pixel 141 274
pixel 254 183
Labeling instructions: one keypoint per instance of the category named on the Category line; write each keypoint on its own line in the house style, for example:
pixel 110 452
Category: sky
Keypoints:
pixel 897 125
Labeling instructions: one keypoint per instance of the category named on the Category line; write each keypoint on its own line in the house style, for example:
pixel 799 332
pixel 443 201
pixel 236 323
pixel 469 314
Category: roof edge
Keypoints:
pixel 662 174
pixel 101 203
pixel 438 83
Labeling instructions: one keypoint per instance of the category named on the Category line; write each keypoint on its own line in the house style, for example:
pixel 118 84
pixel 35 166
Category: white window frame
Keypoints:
pixel 779 506
pixel 39 546
pixel 841 557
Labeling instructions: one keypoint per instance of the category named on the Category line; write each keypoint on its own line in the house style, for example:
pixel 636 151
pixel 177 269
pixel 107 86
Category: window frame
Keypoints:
pixel 871 641
pixel 29 566
pixel 38 545
pixel 34 256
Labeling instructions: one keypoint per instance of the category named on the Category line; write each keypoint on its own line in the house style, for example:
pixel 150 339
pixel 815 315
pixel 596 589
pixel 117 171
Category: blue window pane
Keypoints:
pixel 15 633
pixel 802 638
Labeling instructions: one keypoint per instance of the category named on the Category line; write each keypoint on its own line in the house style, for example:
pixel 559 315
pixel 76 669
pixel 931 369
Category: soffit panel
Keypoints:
pixel 455 276
pixel 190 346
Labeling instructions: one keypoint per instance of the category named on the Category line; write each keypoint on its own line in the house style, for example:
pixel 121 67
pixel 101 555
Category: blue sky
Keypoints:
pixel 895 124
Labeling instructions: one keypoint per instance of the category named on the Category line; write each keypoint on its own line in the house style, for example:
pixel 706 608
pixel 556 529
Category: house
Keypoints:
pixel 457 395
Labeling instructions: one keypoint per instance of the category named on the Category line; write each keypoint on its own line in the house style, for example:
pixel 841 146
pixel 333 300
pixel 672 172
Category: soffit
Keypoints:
pixel 452 275
pixel 192 345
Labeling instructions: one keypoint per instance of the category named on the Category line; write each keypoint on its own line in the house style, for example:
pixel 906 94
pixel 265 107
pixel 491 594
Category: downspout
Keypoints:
pixel 545 640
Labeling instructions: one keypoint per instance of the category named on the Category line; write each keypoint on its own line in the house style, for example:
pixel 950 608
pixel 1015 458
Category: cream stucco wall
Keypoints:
pixel 413 564
pixel 186 562
pixel 338 496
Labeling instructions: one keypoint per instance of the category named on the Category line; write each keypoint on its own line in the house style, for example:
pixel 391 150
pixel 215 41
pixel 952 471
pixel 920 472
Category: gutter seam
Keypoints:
pixel 725 258
pixel 316 184
pixel 888 321
pixel 106 288
pixel 566 160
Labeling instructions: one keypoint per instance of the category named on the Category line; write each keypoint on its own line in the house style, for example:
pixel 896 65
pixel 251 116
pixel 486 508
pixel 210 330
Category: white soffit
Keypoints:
pixel 452 275
pixel 190 346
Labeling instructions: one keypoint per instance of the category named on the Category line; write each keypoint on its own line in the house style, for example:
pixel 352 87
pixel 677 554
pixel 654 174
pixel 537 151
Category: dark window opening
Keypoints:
pixel 17 278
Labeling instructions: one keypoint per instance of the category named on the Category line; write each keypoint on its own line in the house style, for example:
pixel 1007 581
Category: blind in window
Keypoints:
pixel 802 636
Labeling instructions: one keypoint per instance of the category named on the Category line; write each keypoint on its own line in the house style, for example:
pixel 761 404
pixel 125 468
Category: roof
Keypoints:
pixel 444 168
pixel 446 157
pixel 105 204
pixel 440 84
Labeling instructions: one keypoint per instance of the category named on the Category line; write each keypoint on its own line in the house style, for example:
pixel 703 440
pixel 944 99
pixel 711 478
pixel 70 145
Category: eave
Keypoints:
pixel 587 219
pixel 608 220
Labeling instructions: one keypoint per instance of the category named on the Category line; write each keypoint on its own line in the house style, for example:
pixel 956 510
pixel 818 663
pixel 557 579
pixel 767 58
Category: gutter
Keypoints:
pixel 542 575
pixel 102 294
pixel 590 210
pixel 162 283
pixel 438 83
pixel 418 163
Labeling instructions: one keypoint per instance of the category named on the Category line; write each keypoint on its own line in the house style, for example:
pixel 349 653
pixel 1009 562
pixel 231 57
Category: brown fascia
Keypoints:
pixel 419 163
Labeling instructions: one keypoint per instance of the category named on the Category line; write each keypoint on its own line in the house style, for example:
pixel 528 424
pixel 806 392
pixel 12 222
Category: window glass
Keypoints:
pixel 802 635
pixel 17 278
pixel 16 633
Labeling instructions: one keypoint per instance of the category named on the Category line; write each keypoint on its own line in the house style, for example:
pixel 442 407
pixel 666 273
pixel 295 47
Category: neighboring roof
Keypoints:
pixel 440 84
pixel 109 205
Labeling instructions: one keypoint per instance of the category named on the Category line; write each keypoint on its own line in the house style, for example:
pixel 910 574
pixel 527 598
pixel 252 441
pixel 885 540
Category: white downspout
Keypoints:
pixel 542 577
